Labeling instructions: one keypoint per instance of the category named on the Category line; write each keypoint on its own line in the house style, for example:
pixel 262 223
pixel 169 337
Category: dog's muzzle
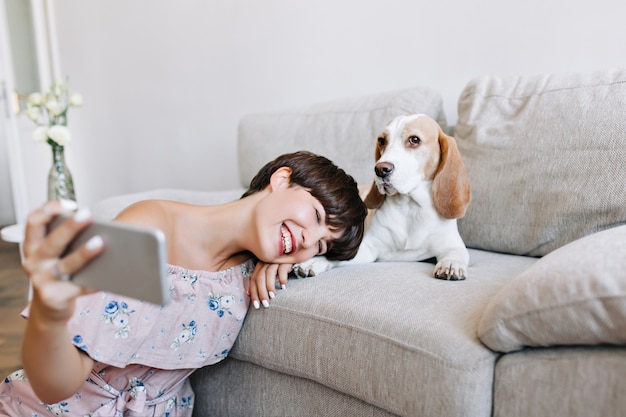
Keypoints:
pixel 385 187
pixel 383 172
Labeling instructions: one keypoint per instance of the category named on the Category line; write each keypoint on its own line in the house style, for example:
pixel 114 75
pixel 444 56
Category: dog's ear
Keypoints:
pixel 451 187
pixel 374 198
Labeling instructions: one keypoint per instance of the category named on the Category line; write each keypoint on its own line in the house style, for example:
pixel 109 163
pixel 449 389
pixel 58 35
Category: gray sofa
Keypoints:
pixel 539 326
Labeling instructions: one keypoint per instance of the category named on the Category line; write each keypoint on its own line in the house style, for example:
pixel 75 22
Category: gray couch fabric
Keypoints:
pixel 566 381
pixel 545 158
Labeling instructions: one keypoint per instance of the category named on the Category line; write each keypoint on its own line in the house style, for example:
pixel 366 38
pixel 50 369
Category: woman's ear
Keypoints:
pixel 281 178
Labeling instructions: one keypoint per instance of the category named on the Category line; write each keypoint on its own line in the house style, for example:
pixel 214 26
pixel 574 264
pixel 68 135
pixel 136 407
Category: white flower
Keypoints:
pixel 48 110
pixel 186 336
pixel 227 301
pixel 54 107
pixel 33 113
pixel 40 135
pixel 60 135
pixel 76 100
pixel 34 99
pixel 121 320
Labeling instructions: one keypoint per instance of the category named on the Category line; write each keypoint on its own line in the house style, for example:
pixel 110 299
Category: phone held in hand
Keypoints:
pixel 133 263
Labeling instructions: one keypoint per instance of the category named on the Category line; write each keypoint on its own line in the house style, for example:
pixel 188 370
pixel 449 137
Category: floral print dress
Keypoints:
pixel 144 353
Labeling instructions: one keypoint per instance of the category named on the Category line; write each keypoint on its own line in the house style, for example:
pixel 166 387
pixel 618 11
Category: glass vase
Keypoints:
pixel 60 183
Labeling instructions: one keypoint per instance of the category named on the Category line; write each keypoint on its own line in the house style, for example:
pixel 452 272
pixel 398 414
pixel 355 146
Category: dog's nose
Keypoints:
pixel 383 169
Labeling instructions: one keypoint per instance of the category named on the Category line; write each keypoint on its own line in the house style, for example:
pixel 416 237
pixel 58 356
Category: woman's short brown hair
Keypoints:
pixel 332 187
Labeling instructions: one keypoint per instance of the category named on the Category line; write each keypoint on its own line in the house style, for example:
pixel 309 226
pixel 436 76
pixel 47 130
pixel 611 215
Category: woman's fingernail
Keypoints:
pixel 272 295
pixel 283 286
pixel 266 303
pixel 82 215
pixel 95 242
pixel 256 304
pixel 68 204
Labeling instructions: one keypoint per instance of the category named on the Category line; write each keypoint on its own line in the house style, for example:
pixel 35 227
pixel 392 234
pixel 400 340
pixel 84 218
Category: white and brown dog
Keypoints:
pixel 420 189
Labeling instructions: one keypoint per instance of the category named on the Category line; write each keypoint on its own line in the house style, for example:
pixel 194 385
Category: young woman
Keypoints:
pixel 94 353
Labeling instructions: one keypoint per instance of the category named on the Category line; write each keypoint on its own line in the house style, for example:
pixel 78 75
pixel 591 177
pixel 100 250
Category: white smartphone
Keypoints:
pixel 133 263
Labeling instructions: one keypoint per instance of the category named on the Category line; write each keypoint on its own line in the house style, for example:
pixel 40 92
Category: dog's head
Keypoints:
pixel 413 149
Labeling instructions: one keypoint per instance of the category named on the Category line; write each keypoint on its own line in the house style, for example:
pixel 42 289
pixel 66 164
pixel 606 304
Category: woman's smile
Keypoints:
pixel 287 241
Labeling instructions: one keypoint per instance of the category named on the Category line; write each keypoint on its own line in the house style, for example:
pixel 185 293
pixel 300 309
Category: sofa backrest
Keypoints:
pixel 343 130
pixel 545 153
pixel 546 159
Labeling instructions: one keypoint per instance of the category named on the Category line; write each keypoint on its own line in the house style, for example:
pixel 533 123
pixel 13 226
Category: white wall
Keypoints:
pixel 165 82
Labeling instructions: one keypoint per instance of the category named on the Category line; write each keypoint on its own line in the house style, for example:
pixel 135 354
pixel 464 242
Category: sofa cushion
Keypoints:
pixel 343 130
pixel 545 155
pixel 375 332
pixel 576 295
pixel 564 382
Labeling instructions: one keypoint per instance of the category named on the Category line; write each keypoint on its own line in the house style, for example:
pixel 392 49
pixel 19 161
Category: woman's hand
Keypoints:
pixel 263 282
pixel 48 271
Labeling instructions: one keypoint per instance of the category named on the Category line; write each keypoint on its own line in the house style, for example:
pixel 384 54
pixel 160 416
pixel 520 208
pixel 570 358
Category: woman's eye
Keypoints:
pixel 318 217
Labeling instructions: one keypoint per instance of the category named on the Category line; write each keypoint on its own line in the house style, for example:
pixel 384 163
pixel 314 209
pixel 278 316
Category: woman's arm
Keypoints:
pixel 55 367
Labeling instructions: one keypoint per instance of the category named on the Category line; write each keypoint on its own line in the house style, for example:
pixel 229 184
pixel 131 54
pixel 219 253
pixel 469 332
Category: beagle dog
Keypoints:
pixel 421 187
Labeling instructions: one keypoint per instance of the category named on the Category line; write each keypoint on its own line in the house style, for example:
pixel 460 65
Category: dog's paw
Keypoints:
pixel 312 267
pixel 450 270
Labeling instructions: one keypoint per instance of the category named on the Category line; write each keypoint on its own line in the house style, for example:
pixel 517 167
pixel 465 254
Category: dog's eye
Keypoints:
pixel 414 140
pixel 381 141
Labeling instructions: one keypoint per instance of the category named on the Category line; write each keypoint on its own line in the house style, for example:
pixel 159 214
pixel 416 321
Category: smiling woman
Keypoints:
pixel 299 204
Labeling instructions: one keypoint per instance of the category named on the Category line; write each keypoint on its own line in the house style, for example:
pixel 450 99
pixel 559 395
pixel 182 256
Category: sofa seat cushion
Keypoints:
pixel 343 130
pixel 565 382
pixel 575 295
pixel 545 156
pixel 386 333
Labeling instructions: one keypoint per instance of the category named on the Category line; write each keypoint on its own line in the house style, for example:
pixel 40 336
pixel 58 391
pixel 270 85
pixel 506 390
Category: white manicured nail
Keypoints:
pixel 272 295
pixel 82 215
pixel 68 204
pixel 256 305
pixel 283 286
pixel 95 242
pixel 266 303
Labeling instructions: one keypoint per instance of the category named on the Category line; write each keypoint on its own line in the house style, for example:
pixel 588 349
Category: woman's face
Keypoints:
pixel 292 226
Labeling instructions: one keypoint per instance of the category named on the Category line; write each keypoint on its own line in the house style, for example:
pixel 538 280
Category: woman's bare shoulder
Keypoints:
pixel 151 213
